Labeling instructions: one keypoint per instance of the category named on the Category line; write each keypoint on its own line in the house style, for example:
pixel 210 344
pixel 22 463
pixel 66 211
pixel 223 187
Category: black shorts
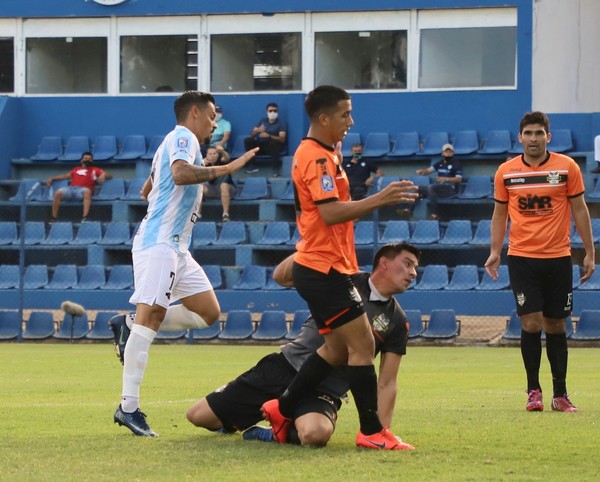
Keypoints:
pixel 237 404
pixel 332 298
pixel 542 284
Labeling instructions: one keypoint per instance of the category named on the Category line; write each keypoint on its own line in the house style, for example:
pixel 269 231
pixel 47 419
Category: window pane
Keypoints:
pixel 468 57
pixel 159 64
pixel 252 62
pixel 7 65
pixel 70 65
pixel 361 60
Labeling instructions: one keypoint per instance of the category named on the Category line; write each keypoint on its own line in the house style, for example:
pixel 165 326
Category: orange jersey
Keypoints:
pixel 319 178
pixel 538 204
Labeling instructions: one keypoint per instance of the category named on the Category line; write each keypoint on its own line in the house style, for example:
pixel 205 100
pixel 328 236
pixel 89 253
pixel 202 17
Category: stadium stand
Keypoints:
pixel 171 334
pixel 105 148
pixel 204 233
pixel 133 189
pixel 432 145
pixel 404 144
pixel 63 278
pixel 233 232
pixel 134 147
pixel 88 233
pixel 213 272
pixel 10 325
pixel 276 232
pixel 442 324
pixel 253 278
pixel 238 326
pixel 350 139
pixel 415 323
pixel 496 142
pixel 100 329
pixel 588 326
pixel 40 326
pixel 562 140
pixel 488 284
pixel 60 233
pixel 271 284
pixel 300 317
pixel 377 144
pixel 434 277
pixel 253 188
pixel 92 277
pixel 9 276
pixel 36 276
pixel 271 326
pixel 458 231
pixel 363 233
pixel 119 278
pixel 154 144
pixel 464 278
pixel 395 232
pixel 513 327
pixel 76 146
pixel 50 149
pixel 116 233
pixel 593 283
pixel 209 333
pixel 35 233
pixel 426 232
pixel 477 187
pixel 110 190
pixel 465 142
pixel 8 233
pixel 72 327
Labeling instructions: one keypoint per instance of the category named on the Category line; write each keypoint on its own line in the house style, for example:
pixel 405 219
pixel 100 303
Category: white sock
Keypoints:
pixel 178 317
pixel 134 366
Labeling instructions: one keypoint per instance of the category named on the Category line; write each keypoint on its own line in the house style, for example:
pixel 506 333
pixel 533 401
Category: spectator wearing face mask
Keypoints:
pixel 82 181
pixel 270 136
pixel 220 136
pixel 359 171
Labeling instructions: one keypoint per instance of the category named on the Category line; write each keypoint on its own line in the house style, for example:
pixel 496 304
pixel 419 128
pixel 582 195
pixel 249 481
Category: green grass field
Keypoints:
pixel 463 408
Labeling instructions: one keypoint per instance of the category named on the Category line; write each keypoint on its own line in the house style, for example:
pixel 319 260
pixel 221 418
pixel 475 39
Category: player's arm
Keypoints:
pixel 498 230
pixel 283 272
pixel 146 188
pixel 185 173
pixel 387 386
pixel 581 216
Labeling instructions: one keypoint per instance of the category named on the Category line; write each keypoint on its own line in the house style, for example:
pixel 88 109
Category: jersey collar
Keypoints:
pixel 540 164
pixel 375 294
pixel 329 148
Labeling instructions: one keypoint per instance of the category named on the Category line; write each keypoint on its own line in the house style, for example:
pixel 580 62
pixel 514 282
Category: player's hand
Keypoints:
pixel 399 192
pixel 242 160
pixel 491 266
pixel 589 268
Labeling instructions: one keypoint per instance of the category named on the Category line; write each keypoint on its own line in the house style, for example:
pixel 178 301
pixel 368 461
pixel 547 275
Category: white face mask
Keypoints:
pixel 272 115
pixel 218 117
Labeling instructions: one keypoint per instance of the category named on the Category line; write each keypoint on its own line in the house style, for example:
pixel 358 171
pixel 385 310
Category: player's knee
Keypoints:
pixel 193 416
pixel 315 435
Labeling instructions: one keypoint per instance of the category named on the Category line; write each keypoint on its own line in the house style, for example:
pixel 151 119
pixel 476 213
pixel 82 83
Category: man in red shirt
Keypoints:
pixel 82 180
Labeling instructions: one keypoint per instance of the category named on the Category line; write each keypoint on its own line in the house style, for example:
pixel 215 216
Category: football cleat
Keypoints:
pixel 280 425
pixel 256 432
pixel 135 421
pixel 563 404
pixel 534 401
pixel 121 333
pixel 384 440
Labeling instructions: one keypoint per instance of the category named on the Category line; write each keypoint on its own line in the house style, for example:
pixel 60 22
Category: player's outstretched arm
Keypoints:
pixel 185 173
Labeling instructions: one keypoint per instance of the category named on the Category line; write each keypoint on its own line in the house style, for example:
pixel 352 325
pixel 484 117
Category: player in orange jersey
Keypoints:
pixel 539 191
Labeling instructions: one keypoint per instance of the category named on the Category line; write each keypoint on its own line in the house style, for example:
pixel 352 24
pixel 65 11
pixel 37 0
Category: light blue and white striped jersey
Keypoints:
pixel 172 210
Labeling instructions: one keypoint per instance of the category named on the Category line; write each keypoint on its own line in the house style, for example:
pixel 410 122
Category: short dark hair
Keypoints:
pixel 391 250
pixel 322 99
pixel 272 104
pixel 185 101
pixel 536 117
pixel 86 153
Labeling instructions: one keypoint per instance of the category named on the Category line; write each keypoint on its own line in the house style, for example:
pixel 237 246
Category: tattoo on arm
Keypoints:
pixel 204 174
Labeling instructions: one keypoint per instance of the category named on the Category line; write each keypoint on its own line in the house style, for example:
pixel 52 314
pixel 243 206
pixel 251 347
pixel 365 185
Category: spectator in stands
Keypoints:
pixel 82 181
pixel 540 191
pixel 596 170
pixel 223 186
pixel 359 172
pixel 220 136
pixel 236 406
pixel 163 267
pixel 323 264
pixel 270 136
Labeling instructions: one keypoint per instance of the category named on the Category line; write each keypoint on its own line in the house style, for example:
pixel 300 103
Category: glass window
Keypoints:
pixel 166 63
pixel 468 57
pixel 249 62
pixel 67 65
pixel 361 60
pixel 7 65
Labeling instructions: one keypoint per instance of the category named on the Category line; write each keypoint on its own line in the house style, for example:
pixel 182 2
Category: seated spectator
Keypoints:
pixel 596 170
pixel 270 135
pixel 82 181
pixel 222 186
pixel 220 136
pixel 359 172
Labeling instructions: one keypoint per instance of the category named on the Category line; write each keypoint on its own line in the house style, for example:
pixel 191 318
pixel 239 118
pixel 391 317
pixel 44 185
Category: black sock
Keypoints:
pixel 292 437
pixel 363 385
pixel 557 352
pixel 313 371
pixel 531 351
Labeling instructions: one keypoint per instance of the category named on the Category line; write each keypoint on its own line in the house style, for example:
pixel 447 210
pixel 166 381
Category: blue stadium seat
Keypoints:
pixel 420 180
pixel 119 278
pixel 213 272
pixel 276 232
pixel 458 231
pixel 381 182
pixel 72 327
pixel 426 232
pixel 9 276
pixel 464 277
pixel 100 329
pixel 60 233
pixel 482 232
pixel 92 277
pixel 517 147
pixel 496 142
pixel 8 233
pixel 238 326
pixel 36 276
pixel 594 193
pixel 513 327
pixel 295 237
pixel 28 189
pixel 133 148
pixel 133 189
pixel 576 238
pixel 415 323
pixel 433 143
pixel 593 283
pixel 478 187
pixel 10 325
pixel 35 233
pixel 76 146
pixel 116 233
pixel 253 278
pixel 395 232
pixel 377 144
pixel 363 233
pixel 50 148
pixel 89 232
pixel 238 148
pixel 155 143
pixel 272 326
pixel 288 192
pixel 204 233
pixel 442 324
pixel 39 326
pixel 111 190
pixel 405 144
pixel 105 148
pixel 271 284
pixel 300 317
pixel 64 277
pixel 434 277
pixel 350 139
pixel 171 334
pixel 576 276
pixel 253 188
pixel 206 333
pixel 466 142
pixel 232 233
pixel 588 326
pixel 46 193
pixel 561 141
pixel 488 284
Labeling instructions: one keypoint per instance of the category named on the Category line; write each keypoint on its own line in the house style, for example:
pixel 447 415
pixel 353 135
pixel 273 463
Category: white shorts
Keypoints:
pixel 162 276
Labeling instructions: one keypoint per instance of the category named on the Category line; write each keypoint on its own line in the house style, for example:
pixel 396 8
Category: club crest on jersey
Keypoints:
pixel 381 323
pixel 355 295
pixel 182 142
pixel 327 183
pixel 521 298
pixel 553 178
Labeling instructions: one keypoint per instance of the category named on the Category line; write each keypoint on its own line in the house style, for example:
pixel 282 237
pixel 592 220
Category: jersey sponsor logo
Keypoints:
pixel 569 305
pixel 517 180
pixel 182 142
pixel 327 183
pixel 535 204
pixel 355 295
